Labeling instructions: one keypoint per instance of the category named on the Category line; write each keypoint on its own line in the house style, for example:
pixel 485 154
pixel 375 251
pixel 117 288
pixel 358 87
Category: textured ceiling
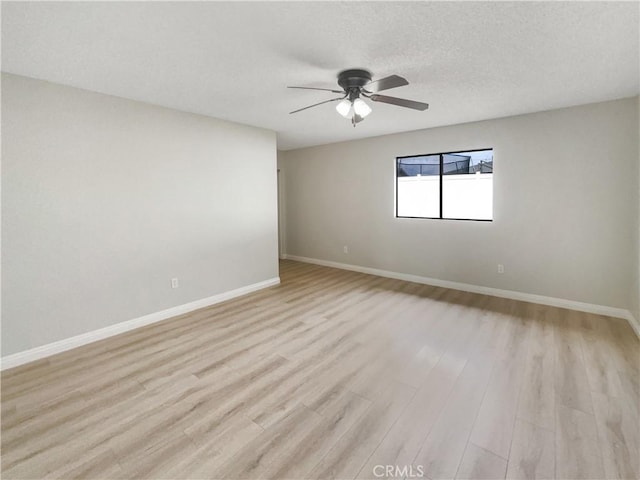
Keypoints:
pixel 468 60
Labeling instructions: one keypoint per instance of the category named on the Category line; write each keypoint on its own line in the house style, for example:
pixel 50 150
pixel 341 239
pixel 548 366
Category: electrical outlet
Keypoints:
pixel 345 249
pixel 500 268
pixel 174 283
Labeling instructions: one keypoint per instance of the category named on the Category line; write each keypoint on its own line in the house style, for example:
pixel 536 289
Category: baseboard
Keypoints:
pixel 495 292
pixel 43 351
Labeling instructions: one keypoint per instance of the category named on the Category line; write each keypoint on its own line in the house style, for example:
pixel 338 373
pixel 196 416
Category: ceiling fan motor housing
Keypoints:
pixel 354 79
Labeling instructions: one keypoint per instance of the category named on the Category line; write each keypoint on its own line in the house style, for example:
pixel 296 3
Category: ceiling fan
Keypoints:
pixel 356 84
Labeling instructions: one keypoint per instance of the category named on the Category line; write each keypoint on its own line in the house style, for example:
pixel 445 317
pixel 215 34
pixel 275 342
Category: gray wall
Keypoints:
pixel 104 200
pixel 282 206
pixel 565 205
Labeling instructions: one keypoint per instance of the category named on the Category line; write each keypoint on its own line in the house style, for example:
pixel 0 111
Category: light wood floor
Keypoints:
pixel 328 375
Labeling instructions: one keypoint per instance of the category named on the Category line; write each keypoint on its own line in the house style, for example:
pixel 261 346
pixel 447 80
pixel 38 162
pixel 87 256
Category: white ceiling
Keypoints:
pixel 469 61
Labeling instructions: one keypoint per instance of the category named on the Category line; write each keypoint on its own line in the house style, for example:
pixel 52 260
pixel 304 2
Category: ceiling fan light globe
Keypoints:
pixel 344 108
pixel 361 108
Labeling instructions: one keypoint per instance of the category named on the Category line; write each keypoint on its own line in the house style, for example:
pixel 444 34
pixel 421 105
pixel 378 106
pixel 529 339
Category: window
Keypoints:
pixel 454 185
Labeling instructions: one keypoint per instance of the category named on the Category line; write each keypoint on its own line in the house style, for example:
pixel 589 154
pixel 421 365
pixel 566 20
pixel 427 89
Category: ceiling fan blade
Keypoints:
pixel 386 83
pixel 316 104
pixel 400 102
pixel 323 89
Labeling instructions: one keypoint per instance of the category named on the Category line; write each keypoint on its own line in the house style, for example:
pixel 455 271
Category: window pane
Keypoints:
pixel 419 186
pixel 455 163
pixel 467 185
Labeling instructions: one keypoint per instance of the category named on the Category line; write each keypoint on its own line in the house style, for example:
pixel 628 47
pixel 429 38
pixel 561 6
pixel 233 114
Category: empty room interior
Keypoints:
pixel 320 240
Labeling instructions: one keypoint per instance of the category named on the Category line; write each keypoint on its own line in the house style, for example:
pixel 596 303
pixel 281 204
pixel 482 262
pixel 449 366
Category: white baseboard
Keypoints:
pixel 43 351
pixel 495 292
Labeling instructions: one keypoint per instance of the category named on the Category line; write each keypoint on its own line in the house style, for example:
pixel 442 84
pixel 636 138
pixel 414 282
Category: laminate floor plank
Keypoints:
pixel 344 411
pixel 493 427
pixel 572 384
pixel 600 360
pixel 619 435
pixel 537 396
pixel 447 441
pixel 404 440
pixel 578 453
pixel 213 448
pixel 274 446
pixel 352 450
pixel 532 454
pixel 329 375
pixel 481 464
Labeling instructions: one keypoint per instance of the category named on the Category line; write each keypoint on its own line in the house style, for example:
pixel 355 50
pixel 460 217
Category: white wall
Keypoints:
pixel 635 282
pixel 104 200
pixel 565 200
